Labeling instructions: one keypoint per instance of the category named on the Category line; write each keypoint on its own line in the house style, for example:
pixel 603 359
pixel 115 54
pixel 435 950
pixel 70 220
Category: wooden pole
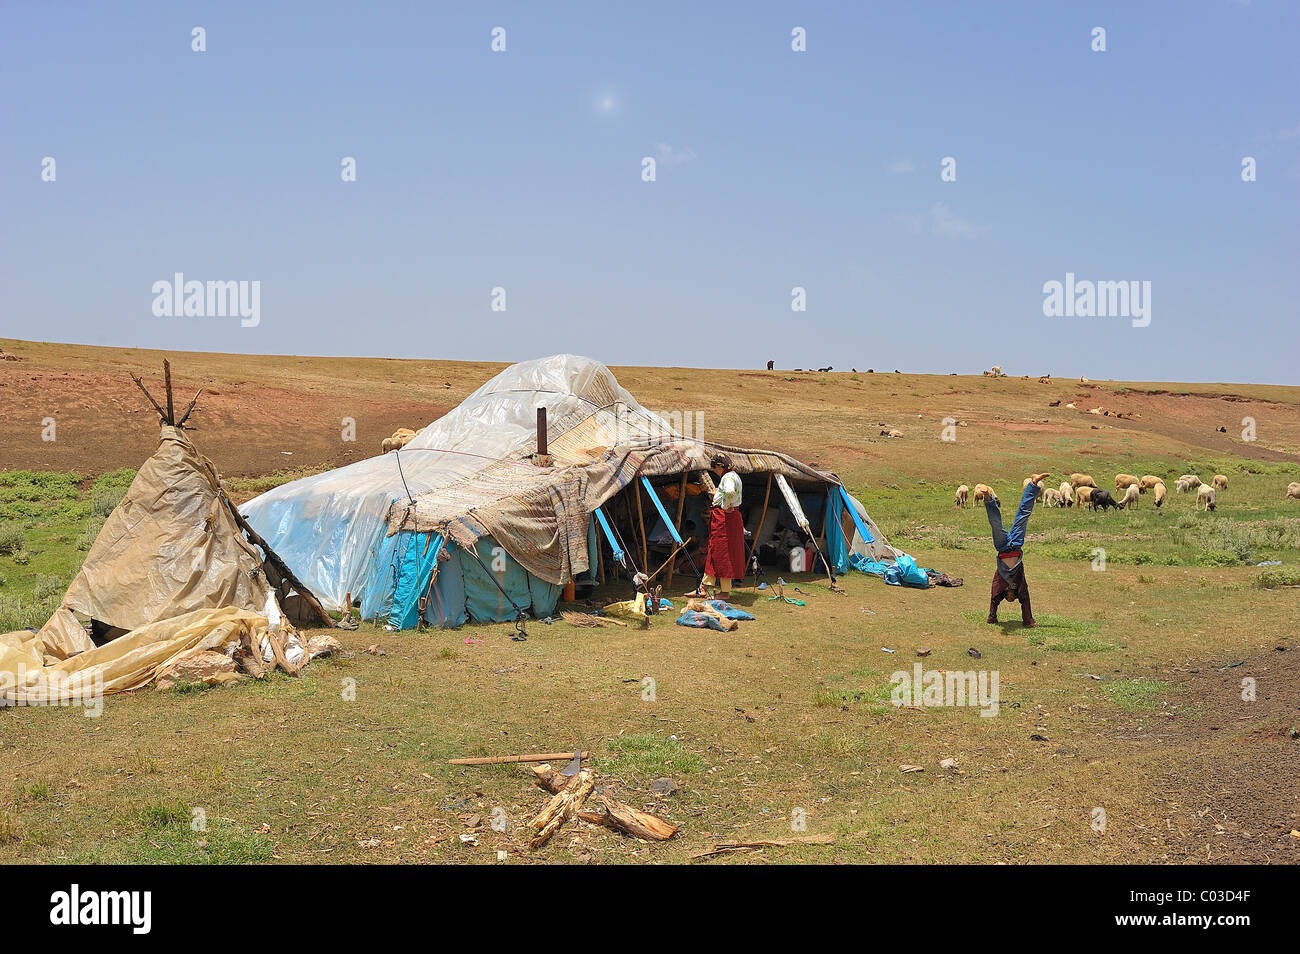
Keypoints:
pixel 681 503
pixel 499 759
pixel 167 376
pixel 758 531
pixel 677 548
pixel 189 410
pixel 600 556
pixel 140 384
pixel 541 431
pixel 640 519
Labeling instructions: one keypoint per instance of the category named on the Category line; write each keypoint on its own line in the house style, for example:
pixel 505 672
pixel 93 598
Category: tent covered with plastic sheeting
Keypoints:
pixel 468 522
pixel 330 527
pixel 170 573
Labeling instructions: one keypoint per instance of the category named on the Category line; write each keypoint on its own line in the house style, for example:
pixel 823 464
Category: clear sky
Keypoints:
pixel 522 170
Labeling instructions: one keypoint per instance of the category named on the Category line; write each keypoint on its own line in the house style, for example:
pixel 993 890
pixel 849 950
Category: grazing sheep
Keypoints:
pixel 1052 498
pixel 1067 493
pixel 963 492
pixel 1130 499
pixel 1160 493
pixel 1205 496
pixel 1220 482
pixel 1081 480
pixel 1192 480
pixel 890 432
pixel 1292 491
pixel 1149 482
pixel 1124 481
pixel 1182 485
pixel 1030 480
pixel 401 437
pixel 985 492
pixel 1083 496
pixel 1101 499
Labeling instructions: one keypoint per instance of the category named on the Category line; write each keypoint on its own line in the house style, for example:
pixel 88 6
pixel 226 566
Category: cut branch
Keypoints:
pixel 566 803
pixel 612 814
pixel 156 406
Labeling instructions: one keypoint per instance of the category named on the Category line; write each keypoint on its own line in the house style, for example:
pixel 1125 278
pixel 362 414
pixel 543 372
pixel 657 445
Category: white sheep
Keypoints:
pixel 1205 497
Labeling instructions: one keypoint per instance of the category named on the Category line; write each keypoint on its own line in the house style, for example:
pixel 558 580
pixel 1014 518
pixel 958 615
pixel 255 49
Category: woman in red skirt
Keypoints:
pixel 725 560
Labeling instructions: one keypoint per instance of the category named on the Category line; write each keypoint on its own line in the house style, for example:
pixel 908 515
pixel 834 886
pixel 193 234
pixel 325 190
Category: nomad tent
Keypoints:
pixel 169 574
pixel 487 513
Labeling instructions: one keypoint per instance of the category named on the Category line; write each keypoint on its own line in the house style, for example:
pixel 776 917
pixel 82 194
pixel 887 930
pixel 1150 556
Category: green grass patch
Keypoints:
pixel 644 754
pixel 1137 695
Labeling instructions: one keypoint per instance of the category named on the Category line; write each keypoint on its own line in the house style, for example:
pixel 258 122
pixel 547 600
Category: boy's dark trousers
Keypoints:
pixel 1000 588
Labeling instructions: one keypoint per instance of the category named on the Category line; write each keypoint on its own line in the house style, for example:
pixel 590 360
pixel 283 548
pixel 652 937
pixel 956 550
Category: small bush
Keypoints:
pixel 12 538
pixel 1276 576
pixel 16 614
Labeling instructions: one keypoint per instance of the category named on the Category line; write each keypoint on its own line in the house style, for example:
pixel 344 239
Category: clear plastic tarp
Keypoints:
pixel 329 528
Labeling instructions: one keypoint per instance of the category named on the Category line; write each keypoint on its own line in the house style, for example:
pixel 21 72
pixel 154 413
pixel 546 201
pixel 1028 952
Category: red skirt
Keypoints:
pixel 726 555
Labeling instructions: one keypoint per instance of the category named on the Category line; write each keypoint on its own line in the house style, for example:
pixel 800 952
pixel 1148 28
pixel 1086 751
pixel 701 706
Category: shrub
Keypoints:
pixel 11 538
pixel 1276 576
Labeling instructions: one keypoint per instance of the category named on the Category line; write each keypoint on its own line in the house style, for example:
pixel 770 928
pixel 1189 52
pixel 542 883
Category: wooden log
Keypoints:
pixel 562 807
pixel 500 759
pixel 633 821
pixel 612 814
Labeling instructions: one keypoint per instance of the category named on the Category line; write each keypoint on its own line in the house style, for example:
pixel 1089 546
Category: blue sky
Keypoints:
pixel 776 169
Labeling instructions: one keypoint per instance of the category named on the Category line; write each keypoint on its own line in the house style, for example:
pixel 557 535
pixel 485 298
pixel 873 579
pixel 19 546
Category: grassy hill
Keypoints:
pixel 1128 698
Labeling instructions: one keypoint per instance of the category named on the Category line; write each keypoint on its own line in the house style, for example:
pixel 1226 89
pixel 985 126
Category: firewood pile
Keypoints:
pixel 576 797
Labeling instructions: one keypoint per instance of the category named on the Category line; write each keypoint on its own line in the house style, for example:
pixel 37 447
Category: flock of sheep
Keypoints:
pixel 1082 490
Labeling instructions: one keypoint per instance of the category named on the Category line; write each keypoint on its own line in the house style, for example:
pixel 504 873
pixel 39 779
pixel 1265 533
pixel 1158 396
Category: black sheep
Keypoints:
pixel 1101 499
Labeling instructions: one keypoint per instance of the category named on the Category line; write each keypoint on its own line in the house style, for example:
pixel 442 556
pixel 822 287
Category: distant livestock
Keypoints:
pixel 401 437
pixel 985 492
pixel 1160 492
pixel 1205 497
pixel 1130 499
pixel 1220 482
pixel 963 492
pixel 1124 481
pixel 1081 480
pixel 1293 491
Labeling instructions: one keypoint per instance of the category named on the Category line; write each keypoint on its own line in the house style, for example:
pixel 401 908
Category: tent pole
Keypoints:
pixel 600 558
pixel 761 517
pixel 640 519
pixel 171 410
pixel 681 502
